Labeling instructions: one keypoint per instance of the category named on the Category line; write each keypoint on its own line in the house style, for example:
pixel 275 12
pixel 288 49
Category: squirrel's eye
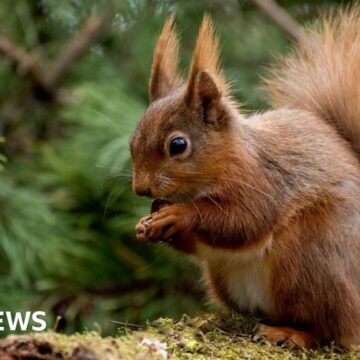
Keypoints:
pixel 177 146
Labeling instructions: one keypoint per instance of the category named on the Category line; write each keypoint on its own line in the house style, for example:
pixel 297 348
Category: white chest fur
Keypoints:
pixel 244 274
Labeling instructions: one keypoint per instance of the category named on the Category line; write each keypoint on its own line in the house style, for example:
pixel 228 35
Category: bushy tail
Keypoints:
pixel 323 75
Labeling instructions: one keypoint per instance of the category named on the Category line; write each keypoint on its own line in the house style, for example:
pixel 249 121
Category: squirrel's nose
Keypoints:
pixel 142 191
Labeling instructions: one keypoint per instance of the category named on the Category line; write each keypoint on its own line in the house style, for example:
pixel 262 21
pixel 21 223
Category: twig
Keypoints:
pixel 226 331
pixel 57 322
pixel 91 31
pixel 27 64
pixel 281 18
pixel 125 324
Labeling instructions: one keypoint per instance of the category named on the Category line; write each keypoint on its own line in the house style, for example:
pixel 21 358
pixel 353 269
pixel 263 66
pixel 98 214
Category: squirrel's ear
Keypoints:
pixel 164 77
pixel 206 84
pixel 205 89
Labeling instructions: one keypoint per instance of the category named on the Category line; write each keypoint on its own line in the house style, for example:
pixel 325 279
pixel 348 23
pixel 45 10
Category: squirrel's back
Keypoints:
pixel 323 75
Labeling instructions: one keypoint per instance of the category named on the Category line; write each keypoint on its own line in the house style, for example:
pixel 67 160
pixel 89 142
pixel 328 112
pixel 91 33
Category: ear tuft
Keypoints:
pixel 164 77
pixel 205 63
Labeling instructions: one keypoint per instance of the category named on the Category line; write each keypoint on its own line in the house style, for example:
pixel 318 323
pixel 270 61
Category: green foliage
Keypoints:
pixel 67 212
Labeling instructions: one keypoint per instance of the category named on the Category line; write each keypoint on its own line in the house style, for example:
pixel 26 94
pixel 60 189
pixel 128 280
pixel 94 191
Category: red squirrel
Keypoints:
pixel 268 203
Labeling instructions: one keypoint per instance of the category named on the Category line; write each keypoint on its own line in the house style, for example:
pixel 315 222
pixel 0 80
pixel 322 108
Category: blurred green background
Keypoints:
pixel 67 213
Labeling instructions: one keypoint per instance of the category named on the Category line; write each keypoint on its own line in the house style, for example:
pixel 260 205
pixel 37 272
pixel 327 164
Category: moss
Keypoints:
pixel 204 337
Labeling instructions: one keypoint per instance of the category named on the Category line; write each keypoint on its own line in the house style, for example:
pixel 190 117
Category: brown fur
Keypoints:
pixel 269 204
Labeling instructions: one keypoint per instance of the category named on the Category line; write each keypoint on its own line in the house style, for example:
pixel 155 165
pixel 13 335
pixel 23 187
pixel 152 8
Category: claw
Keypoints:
pixel 148 222
pixel 257 337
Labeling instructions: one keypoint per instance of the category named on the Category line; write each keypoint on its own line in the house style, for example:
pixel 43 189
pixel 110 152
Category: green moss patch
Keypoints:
pixel 203 337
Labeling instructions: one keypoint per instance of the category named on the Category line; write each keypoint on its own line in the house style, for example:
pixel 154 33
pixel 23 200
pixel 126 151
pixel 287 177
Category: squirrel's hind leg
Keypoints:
pixel 285 337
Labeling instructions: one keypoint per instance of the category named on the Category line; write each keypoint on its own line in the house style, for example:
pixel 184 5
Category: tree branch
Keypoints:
pixel 91 31
pixel 46 77
pixel 281 18
pixel 27 64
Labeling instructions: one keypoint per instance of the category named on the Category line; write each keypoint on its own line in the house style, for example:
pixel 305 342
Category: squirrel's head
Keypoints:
pixel 181 141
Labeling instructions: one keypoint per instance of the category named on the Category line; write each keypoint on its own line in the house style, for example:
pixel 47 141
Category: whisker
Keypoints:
pixel 110 198
pixel 112 182
pixel 123 179
pixel 178 190
pixel 128 176
pixel 194 179
pixel 111 122
pixel 216 203
pixel 198 210
pixel 253 187
pixel 212 180
pixel 114 168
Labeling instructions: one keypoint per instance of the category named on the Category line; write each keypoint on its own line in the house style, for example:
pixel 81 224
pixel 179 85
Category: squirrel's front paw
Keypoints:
pixel 167 222
pixel 142 226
